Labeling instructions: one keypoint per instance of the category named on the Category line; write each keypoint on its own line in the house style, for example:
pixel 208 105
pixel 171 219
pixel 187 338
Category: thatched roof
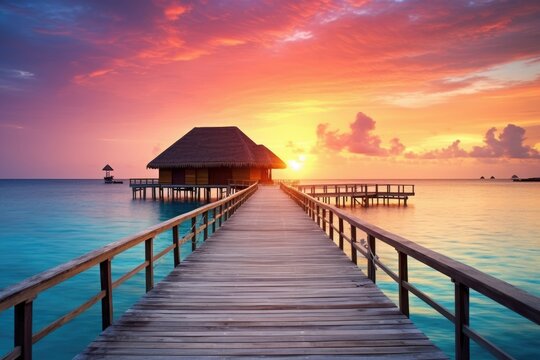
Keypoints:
pixel 107 168
pixel 216 146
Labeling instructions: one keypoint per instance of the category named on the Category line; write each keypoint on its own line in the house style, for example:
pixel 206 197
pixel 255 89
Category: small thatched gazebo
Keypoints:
pixel 215 156
pixel 107 168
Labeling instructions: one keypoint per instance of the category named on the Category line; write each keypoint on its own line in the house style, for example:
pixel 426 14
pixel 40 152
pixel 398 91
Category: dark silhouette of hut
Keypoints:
pixel 108 178
pixel 215 156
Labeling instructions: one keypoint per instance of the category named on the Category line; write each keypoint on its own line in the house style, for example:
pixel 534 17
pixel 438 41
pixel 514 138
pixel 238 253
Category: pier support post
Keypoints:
pixel 23 329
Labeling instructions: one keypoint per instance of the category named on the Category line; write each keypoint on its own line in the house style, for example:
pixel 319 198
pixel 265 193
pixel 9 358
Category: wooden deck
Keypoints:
pixel 268 284
pixel 362 194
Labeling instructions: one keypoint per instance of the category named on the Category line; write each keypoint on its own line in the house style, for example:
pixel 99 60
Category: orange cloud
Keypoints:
pixel 79 79
pixel 174 12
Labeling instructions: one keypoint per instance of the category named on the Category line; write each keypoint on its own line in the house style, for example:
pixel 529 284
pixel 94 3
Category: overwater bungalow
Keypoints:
pixel 215 156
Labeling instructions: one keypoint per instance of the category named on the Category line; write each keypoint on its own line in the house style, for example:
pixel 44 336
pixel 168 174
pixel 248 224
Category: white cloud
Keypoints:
pixel 298 36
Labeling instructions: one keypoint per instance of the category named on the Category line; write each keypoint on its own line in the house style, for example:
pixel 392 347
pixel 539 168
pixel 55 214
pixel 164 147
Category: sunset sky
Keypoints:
pixel 337 89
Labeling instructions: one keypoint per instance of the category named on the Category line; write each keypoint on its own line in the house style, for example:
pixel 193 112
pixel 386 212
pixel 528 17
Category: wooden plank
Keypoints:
pixel 269 283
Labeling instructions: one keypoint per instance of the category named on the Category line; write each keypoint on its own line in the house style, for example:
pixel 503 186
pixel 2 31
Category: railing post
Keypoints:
pixel 23 329
pixel 354 258
pixel 214 222
pixel 324 220
pixel 205 233
pixel 331 221
pixel 318 216
pixel 220 215
pixel 403 277
pixel 340 233
pixel 149 256
pixel 105 275
pixel 371 258
pixel 462 319
pixel 194 233
pixel 176 252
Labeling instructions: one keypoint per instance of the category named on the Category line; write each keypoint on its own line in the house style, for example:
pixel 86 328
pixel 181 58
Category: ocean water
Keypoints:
pixel 45 223
pixel 491 225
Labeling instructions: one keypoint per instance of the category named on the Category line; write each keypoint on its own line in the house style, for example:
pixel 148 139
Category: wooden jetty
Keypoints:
pixel 191 192
pixel 269 282
pixel 359 194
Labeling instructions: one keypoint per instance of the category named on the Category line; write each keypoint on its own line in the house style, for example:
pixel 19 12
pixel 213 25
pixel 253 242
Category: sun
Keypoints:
pixel 295 165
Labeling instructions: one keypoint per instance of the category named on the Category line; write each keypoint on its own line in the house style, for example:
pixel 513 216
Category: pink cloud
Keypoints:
pixel 452 151
pixel 361 140
pixel 173 12
pixel 509 144
pixel 358 140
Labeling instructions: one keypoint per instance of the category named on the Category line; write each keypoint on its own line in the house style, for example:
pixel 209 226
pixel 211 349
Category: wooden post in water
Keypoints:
pixel 105 275
pixel 403 277
pixel 371 258
pixel 462 318
pixel 149 257
pixel 23 329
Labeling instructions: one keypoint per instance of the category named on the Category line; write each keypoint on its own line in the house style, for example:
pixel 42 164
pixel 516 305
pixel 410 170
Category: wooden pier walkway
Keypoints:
pixel 269 284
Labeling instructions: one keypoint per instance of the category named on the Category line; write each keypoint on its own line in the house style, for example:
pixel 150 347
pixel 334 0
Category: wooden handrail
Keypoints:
pixel 21 295
pixel 144 181
pixel 464 276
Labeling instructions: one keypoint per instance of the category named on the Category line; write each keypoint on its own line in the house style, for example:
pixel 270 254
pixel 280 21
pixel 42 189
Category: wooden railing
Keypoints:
pixel 241 183
pixel 144 181
pixel 464 277
pixel 21 296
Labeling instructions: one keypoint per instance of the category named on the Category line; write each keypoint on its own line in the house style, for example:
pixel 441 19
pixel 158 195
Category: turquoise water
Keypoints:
pixel 48 222
pixel 491 225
